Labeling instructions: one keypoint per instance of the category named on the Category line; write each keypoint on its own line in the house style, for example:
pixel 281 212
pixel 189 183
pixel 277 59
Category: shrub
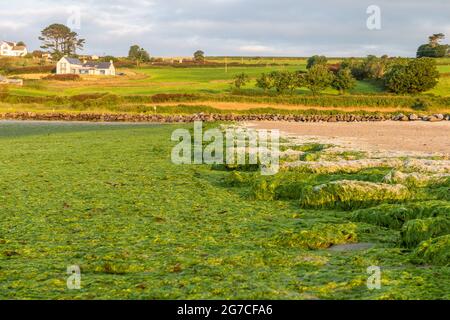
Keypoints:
pixel 435 251
pixel 416 231
pixel 394 216
pixel 320 236
pixel 420 105
pixel 344 80
pixel 63 77
pixel 437 51
pixel 241 80
pixel 417 76
pixel 318 78
pixel 265 82
pixel 316 60
pixel 31 69
pixel 177 97
pixel 283 81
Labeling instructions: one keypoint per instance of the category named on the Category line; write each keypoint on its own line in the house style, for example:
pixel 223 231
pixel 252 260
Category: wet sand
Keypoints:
pixel 417 136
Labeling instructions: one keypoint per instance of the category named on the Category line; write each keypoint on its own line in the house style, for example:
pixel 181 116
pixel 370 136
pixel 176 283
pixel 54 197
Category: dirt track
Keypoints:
pixel 387 135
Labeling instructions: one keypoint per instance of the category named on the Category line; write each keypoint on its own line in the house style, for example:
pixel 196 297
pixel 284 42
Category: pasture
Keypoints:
pixel 199 80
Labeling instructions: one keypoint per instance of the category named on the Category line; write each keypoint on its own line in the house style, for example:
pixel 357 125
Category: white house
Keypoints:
pixel 11 49
pixel 75 66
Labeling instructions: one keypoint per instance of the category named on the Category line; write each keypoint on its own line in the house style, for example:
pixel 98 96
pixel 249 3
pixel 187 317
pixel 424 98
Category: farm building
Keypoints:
pixel 11 49
pixel 75 66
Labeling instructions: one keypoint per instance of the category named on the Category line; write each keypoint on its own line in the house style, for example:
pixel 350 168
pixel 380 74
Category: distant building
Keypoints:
pixel 175 59
pixel 11 49
pixel 75 66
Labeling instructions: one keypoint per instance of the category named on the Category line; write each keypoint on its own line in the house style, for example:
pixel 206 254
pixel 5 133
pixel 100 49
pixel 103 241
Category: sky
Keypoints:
pixel 233 27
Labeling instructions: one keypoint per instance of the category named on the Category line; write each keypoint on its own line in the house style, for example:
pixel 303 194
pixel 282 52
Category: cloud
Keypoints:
pixel 234 27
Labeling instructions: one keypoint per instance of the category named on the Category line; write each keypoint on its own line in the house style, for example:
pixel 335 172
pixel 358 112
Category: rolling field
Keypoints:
pixel 211 81
pixel 109 199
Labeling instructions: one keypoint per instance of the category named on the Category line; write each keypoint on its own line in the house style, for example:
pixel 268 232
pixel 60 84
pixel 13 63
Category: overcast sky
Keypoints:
pixel 233 27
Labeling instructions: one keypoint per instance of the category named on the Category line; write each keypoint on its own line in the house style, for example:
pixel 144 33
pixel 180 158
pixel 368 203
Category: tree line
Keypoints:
pixel 398 75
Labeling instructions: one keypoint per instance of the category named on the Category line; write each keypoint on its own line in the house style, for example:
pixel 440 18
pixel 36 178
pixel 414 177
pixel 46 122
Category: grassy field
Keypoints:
pixel 154 80
pixel 108 198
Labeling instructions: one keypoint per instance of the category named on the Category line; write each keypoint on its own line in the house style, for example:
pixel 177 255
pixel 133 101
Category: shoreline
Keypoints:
pixel 207 117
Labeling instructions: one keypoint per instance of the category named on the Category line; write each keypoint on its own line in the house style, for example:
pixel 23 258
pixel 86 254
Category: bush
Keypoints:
pixel 344 80
pixel 241 80
pixel 63 77
pixel 437 51
pixel 265 82
pixel 318 78
pixel 416 231
pixel 173 97
pixel 420 105
pixel 316 60
pixel 435 251
pixel 31 69
pixel 419 75
pixel 371 67
pixel 321 236
pixel 347 194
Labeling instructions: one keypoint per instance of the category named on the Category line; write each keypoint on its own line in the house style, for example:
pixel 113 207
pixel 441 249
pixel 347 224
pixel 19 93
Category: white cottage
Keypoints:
pixel 11 49
pixel 75 66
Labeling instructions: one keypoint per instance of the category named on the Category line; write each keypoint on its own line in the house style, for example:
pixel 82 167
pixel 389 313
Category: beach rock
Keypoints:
pixel 432 119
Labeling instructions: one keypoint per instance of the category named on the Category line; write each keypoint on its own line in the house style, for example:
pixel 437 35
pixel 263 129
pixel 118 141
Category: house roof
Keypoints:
pixel 19 48
pixel 97 65
pixel 11 44
pixel 73 61
pixel 89 64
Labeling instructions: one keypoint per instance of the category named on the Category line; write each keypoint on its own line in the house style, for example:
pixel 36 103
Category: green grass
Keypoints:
pixel 189 80
pixel 108 198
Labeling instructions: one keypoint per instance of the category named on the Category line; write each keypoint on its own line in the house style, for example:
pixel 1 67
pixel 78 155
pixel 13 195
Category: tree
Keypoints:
pixel 21 44
pixel 318 78
pixel 282 81
pixel 371 67
pixel 138 55
pixel 433 48
pixel 241 80
pixel 60 41
pixel 314 60
pixel 435 39
pixel 199 56
pixel 418 75
pixel 344 80
pixel 265 82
